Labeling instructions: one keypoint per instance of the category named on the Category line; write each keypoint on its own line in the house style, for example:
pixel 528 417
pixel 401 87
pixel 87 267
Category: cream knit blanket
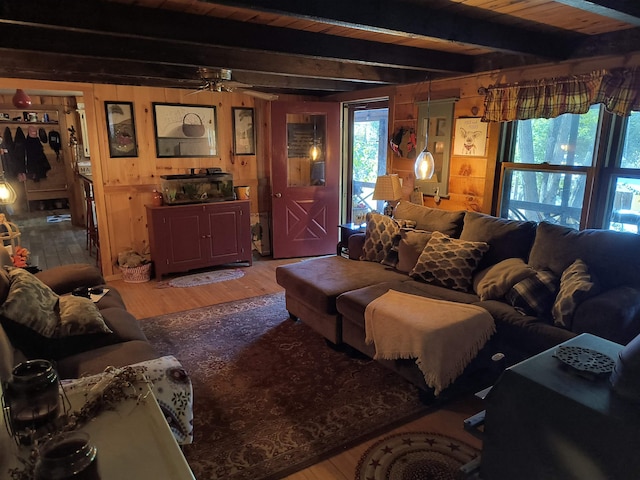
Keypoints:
pixel 442 336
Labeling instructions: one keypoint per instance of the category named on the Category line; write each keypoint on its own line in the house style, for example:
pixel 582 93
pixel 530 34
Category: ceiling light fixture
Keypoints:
pixel 425 164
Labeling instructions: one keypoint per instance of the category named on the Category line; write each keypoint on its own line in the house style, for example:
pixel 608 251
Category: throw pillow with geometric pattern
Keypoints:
pixel 449 262
pixel 576 285
pixel 379 236
pixel 534 295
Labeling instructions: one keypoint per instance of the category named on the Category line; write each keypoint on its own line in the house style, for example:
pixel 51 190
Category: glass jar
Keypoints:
pixel 32 397
pixel 68 456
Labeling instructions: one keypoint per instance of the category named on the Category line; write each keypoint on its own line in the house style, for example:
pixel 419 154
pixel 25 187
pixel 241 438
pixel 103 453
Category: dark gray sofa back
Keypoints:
pixel 613 257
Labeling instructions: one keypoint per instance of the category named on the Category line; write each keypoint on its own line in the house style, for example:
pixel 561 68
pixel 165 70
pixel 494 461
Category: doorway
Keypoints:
pixel 305 178
pixel 367 134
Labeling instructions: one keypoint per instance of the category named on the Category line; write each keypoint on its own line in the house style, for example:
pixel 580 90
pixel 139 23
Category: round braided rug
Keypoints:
pixel 415 456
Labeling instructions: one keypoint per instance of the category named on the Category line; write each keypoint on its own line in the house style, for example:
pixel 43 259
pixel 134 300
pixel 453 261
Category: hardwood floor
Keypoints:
pixel 61 243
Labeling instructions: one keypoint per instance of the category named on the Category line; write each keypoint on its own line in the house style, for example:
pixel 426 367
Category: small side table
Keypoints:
pixel 346 230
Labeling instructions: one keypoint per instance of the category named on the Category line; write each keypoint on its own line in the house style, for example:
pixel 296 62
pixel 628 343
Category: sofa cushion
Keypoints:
pixel 317 282
pixel 381 229
pixel 449 262
pixel 30 303
pixel 494 282
pixel 608 253
pixel 431 219
pixel 79 316
pixel 535 294
pixel 576 285
pixel 506 238
pixel 410 246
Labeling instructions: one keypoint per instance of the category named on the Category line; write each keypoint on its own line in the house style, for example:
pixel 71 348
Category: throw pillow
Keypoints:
pixel 30 303
pixel 449 262
pixel 494 282
pixel 576 285
pixel 411 244
pixel 535 294
pixel 391 259
pixel 79 316
pixel 378 239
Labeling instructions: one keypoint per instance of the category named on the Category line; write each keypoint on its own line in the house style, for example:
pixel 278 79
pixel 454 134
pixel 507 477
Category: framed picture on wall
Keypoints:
pixel 185 130
pixel 244 139
pixel 470 137
pixel 121 129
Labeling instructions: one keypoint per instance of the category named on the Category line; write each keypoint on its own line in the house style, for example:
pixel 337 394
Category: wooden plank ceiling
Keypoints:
pixel 311 47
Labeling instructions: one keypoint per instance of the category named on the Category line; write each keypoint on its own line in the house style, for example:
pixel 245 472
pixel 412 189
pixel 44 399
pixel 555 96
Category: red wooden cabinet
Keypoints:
pixel 185 237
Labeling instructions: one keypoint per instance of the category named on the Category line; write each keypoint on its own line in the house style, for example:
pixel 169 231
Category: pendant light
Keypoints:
pixel 21 99
pixel 315 150
pixel 425 165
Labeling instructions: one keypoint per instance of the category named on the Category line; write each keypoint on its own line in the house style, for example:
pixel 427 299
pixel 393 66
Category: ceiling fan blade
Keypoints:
pixel 261 95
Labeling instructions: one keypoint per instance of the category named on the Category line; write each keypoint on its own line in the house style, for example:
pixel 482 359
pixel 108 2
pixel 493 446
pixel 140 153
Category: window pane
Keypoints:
pixel 625 215
pixel 305 150
pixel 544 196
pixel 631 150
pixel 565 140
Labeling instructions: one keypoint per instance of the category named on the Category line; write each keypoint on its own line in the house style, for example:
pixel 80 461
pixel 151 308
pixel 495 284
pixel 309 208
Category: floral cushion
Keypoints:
pixel 79 316
pixel 30 303
pixel 576 285
pixel 535 294
pixel 449 262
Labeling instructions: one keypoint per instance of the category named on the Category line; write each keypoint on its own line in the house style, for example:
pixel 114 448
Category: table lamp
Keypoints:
pixel 389 189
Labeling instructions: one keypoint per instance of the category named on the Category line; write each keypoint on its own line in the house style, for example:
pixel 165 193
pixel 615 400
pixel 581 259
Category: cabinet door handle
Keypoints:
pixel 277 195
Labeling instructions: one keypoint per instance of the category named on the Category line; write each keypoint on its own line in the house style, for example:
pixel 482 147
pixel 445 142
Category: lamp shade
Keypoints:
pixel 7 193
pixel 425 165
pixel 388 187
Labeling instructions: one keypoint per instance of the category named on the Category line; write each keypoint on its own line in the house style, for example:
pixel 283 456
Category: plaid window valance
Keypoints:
pixel 618 90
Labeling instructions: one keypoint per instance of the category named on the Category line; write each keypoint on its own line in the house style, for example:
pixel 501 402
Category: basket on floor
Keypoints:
pixel 139 274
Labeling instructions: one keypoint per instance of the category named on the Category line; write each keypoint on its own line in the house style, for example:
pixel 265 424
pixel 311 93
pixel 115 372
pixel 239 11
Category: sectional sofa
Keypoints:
pixel 542 283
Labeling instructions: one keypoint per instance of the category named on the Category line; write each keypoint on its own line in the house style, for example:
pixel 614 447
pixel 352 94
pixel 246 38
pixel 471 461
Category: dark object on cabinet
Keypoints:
pixel 185 237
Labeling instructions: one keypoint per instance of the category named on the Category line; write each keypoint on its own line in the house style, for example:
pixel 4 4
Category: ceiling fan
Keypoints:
pixel 219 80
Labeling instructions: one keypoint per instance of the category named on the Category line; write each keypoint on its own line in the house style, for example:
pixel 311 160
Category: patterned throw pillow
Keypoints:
pixel 79 316
pixel 378 238
pixel 449 262
pixel 30 303
pixel 576 285
pixel 494 282
pixel 534 295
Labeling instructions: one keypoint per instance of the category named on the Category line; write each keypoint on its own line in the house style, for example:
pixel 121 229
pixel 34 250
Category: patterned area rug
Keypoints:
pixel 270 397
pixel 415 456
pixel 204 278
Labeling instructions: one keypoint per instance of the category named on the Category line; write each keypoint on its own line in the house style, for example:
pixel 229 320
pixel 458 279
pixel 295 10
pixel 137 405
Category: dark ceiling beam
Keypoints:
pixel 627 11
pixel 612 43
pixel 413 20
pixel 139 23
pixel 60 67
pixel 166 52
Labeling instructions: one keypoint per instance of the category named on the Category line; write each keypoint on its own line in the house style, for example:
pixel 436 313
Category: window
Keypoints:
pixel 547 169
pixel 624 178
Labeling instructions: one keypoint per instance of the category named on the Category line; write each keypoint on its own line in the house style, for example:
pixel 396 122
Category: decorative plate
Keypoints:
pixel 585 359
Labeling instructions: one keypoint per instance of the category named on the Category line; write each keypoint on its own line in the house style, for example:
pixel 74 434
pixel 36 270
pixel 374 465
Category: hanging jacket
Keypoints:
pixel 16 164
pixel 37 164
pixel 6 151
